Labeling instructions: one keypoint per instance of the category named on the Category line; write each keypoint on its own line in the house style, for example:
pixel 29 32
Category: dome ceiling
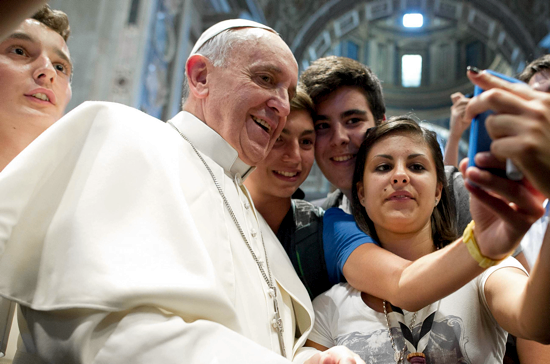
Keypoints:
pixel 299 21
pixel 498 34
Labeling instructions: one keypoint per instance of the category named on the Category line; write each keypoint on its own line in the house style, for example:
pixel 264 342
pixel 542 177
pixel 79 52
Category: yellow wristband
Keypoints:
pixel 469 239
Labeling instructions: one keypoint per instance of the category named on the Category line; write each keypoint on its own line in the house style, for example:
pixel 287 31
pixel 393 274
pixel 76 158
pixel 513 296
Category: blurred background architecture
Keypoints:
pixel 134 51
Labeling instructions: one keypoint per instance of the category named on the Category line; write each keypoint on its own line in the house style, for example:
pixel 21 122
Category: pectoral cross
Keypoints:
pixel 277 322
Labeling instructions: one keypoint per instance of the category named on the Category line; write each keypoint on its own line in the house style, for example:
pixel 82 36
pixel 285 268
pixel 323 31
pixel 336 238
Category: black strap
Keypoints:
pixel 306 247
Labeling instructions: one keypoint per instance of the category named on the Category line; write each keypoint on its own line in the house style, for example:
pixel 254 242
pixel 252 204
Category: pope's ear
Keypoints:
pixel 197 69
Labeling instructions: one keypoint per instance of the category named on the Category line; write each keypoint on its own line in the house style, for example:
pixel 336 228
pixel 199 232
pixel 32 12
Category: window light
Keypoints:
pixel 411 70
pixel 413 20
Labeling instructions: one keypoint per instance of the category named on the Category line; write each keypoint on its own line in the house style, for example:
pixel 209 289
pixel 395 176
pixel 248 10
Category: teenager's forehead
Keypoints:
pixel 344 98
pixel 31 30
pixel 40 32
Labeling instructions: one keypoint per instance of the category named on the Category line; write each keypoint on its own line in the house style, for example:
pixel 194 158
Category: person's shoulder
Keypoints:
pixel 109 109
pixel 124 131
pixel 509 262
pixel 336 213
pixel 337 294
pixel 109 117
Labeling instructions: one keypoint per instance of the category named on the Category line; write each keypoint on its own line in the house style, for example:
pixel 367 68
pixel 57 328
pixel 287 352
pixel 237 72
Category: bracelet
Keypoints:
pixel 469 239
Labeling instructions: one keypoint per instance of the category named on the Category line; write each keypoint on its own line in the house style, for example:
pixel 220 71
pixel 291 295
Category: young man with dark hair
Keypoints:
pixel 35 74
pixel 327 75
pixel 56 20
pixel 349 100
pixel 35 78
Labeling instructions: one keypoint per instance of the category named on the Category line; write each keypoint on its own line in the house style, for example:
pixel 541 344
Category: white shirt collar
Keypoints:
pixel 210 143
pixel 345 205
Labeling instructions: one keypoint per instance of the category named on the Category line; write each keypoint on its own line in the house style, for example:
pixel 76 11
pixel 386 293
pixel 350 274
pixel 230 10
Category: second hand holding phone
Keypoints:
pixel 480 141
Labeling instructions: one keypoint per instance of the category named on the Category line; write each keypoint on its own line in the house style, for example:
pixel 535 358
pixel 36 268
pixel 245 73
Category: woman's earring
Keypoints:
pixel 436 201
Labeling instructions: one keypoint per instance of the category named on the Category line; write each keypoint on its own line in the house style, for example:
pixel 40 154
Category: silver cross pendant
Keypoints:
pixel 277 322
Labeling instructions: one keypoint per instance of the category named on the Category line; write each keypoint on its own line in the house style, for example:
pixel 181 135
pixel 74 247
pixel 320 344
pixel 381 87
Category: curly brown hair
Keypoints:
pixel 302 101
pixel 539 64
pixel 54 19
pixel 326 75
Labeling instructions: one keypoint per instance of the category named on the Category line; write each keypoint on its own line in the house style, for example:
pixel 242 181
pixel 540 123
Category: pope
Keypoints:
pixel 129 240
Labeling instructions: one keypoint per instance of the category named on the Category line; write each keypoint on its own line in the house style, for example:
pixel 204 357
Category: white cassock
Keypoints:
pixel 117 245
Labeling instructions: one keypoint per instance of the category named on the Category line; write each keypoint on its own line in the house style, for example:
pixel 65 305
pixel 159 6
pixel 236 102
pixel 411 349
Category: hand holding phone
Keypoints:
pixel 480 141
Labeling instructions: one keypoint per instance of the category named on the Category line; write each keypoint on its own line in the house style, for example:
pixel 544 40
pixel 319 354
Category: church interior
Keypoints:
pixel 133 51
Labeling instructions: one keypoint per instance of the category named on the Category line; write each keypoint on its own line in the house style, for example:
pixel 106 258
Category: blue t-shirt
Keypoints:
pixel 341 236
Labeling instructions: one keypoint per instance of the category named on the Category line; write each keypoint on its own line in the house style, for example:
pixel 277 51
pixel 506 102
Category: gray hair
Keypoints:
pixel 218 49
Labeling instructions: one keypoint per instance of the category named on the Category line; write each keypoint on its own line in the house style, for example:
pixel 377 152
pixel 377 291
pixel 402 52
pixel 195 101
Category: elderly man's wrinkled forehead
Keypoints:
pixel 229 44
pixel 240 39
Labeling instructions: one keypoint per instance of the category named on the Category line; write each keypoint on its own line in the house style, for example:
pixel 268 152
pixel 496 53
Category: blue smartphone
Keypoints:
pixel 480 140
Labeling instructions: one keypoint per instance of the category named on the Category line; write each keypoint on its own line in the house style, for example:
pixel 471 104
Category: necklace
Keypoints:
pixel 277 322
pixel 399 355
pixel 416 345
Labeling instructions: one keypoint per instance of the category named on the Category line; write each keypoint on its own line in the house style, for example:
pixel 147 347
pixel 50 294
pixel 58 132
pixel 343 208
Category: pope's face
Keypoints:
pixel 249 99
pixel 35 73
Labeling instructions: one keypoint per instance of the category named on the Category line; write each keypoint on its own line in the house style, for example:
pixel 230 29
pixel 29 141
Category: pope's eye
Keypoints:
pixel 265 78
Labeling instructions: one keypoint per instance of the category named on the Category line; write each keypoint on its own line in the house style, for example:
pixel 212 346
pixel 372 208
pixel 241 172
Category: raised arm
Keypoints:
pixel 410 285
pixel 518 303
pixel 521 131
pixel 458 124
pixel 413 285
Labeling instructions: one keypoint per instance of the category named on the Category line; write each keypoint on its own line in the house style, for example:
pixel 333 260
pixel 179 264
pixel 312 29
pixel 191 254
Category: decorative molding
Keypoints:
pixel 320 46
pixel 378 9
pixel 448 9
pixel 482 23
pixel 525 32
pixel 346 23
pixel 413 5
